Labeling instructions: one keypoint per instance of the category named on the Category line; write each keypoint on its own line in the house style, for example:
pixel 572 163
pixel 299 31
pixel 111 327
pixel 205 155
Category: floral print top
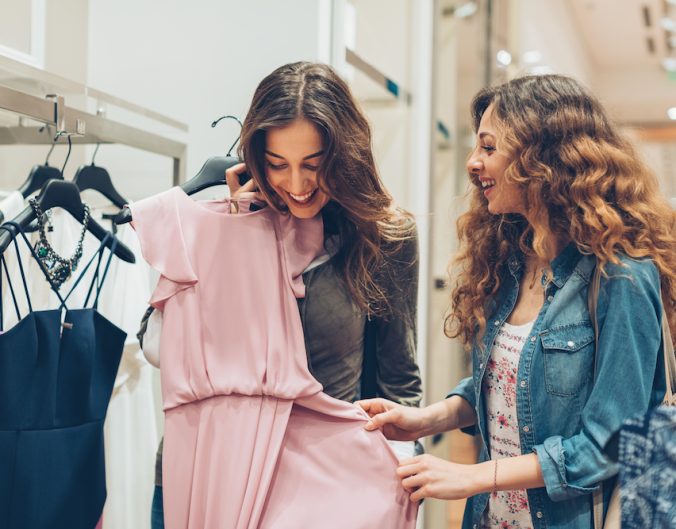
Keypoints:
pixel 506 509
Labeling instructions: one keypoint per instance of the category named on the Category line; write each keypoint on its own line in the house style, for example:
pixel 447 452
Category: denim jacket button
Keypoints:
pixel 526 429
pixel 532 338
pixel 481 366
pixel 523 384
pixel 496 322
pixel 538 514
pixel 550 298
pixel 571 344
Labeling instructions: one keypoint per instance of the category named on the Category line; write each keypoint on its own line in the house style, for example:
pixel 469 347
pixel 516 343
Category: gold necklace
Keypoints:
pixel 534 275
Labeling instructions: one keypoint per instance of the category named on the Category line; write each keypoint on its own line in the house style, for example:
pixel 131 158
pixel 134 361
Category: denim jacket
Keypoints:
pixel 571 399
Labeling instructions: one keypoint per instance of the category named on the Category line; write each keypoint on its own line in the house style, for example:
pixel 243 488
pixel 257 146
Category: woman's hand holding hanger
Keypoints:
pixel 237 189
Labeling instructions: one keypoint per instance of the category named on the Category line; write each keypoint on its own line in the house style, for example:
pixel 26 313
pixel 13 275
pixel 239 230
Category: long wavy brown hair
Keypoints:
pixel 582 181
pixel 360 210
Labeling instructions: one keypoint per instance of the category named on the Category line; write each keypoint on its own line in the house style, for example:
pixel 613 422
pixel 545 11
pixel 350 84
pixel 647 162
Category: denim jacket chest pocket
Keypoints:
pixel 568 352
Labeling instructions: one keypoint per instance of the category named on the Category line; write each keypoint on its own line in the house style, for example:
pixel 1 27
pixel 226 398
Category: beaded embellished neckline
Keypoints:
pixel 58 268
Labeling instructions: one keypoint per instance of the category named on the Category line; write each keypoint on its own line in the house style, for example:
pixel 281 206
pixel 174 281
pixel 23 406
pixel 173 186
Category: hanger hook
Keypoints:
pixel 213 124
pixel 70 145
pixel 54 140
pixel 95 151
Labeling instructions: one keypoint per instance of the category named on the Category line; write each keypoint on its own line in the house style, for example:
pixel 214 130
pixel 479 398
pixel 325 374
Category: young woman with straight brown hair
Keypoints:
pixel 307 146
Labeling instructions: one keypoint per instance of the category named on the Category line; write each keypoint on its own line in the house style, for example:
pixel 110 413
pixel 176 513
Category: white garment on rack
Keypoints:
pixel 12 204
pixel 151 338
pixel 130 430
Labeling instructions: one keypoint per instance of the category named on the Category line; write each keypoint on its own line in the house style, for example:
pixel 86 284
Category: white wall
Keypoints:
pixel 375 21
pixel 192 61
pixel 66 39
pixel 65 54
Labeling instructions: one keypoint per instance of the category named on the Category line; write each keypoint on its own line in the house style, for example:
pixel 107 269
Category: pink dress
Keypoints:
pixel 250 439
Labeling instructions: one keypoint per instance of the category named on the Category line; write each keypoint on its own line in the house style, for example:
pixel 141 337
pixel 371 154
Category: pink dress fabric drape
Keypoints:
pixel 251 441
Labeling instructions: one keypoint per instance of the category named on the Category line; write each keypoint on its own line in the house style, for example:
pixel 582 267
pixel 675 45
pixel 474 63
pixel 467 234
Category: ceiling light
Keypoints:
pixel 669 64
pixel 465 10
pixel 672 113
pixel 668 24
pixel 504 58
pixel 534 56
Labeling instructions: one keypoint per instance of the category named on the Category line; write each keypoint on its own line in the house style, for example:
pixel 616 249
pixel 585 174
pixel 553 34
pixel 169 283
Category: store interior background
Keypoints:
pixel 172 67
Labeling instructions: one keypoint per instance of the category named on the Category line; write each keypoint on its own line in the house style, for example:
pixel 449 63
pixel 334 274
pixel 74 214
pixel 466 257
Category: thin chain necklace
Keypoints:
pixel 58 268
pixel 532 271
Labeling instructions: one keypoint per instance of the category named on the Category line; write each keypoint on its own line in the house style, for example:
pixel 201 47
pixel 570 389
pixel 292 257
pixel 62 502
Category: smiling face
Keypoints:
pixel 487 166
pixel 292 157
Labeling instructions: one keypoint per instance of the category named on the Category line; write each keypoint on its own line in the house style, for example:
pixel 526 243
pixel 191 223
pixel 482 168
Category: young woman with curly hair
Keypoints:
pixel 557 191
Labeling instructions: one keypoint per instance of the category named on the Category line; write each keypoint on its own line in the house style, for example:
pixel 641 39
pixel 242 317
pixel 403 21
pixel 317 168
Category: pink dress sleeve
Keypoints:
pixel 302 241
pixel 159 226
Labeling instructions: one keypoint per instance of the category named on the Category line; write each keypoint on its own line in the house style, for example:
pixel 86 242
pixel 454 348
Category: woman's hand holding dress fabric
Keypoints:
pixel 397 422
pixel 427 476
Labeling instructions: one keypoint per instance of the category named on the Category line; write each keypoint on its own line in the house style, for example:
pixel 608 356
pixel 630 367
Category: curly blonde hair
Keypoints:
pixel 581 180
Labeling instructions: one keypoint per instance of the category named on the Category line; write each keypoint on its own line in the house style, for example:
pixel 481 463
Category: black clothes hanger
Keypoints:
pixel 211 174
pixel 40 174
pixel 33 226
pixel 37 178
pixel 98 179
pixel 65 195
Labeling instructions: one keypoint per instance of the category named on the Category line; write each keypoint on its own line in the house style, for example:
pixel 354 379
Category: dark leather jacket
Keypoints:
pixel 354 356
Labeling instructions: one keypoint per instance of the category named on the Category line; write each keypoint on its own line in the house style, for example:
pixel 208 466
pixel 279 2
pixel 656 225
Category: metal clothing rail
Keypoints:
pixel 82 127
pixel 376 75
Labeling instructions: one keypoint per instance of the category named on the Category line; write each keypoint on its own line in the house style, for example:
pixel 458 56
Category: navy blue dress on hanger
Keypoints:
pixel 57 369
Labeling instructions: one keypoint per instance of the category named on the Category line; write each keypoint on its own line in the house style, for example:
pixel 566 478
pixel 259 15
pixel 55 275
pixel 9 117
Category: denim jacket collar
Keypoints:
pixel 562 266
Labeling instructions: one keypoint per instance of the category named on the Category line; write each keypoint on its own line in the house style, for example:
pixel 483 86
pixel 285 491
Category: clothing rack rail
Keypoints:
pixel 82 127
pixel 373 73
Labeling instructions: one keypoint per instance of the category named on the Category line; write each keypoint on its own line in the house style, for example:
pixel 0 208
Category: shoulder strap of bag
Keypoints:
pixel 669 368
pixel 669 361
pixel 593 299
